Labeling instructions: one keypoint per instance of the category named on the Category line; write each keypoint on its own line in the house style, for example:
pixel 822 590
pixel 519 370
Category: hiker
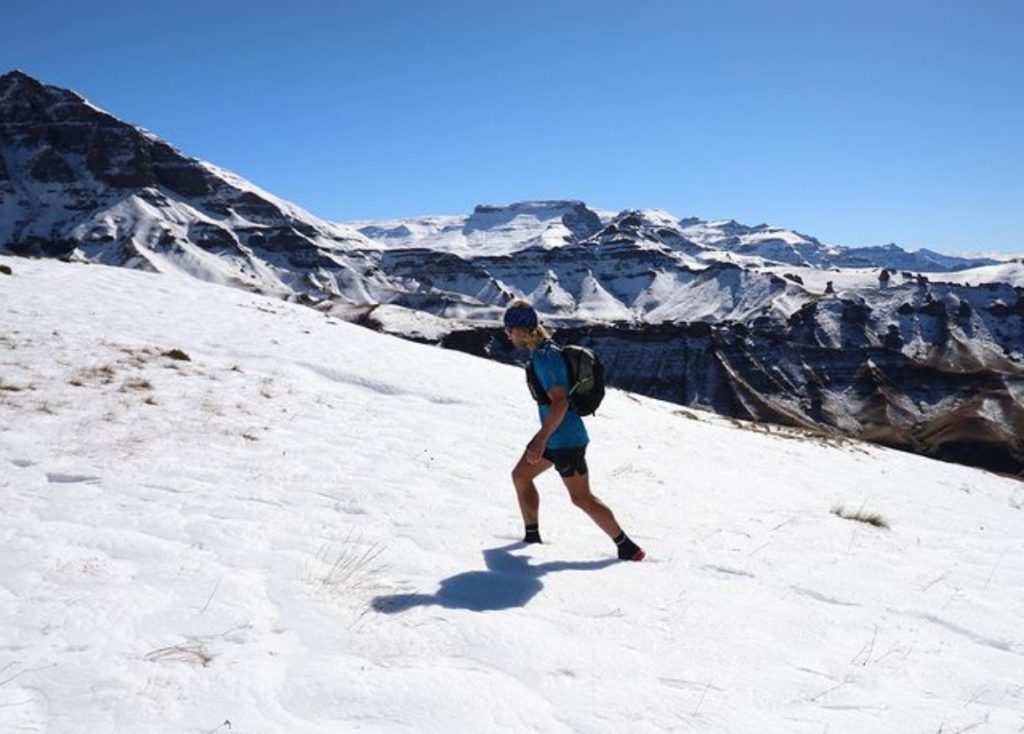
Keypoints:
pixel 562 439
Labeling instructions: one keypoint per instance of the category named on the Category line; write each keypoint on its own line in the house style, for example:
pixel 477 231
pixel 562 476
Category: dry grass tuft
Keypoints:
pixel 104 374
pixel 860 515
pixel 192 652
pixel 350 568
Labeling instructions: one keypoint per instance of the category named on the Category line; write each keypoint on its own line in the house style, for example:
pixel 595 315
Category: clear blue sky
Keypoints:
pixel 857 121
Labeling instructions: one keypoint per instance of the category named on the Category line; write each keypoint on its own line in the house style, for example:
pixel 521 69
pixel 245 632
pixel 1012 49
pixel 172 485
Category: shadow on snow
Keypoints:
pixel 509 581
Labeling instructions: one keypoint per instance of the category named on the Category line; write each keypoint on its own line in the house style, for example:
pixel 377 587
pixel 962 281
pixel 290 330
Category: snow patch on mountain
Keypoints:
pixel 597 304
pixel 550 297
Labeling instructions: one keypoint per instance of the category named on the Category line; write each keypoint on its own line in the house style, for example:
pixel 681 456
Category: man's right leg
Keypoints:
pixel 526 492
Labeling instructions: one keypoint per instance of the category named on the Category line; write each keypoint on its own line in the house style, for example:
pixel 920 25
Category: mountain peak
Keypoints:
pixel 576 219
pixel 23 98
pixel 538 206
pixel 17 81
pixel 17 76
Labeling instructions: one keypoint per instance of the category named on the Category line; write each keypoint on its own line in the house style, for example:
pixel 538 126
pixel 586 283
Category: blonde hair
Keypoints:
pixel 538 333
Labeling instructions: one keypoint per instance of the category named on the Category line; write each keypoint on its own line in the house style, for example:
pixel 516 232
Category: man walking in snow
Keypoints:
pixel 562 439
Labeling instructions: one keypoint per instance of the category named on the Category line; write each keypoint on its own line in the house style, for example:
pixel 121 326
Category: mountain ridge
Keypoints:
pixel 756 302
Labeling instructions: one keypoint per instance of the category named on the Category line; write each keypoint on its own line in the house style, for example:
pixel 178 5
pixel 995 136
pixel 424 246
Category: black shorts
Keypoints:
pixel 568 462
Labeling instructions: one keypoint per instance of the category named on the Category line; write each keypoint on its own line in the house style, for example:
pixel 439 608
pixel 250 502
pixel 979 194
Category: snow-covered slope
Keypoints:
pixel 309 527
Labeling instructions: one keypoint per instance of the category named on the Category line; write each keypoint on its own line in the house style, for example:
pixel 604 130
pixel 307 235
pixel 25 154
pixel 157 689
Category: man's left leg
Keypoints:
pixel 579 490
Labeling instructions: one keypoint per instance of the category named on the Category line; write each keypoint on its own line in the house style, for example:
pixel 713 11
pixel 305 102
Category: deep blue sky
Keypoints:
pixel 857 121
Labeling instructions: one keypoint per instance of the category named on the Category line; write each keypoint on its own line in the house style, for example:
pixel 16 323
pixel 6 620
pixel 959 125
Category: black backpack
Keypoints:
pixel 586 378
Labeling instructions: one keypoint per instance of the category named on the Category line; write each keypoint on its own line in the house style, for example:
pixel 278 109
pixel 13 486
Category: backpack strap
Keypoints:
pixel 536 389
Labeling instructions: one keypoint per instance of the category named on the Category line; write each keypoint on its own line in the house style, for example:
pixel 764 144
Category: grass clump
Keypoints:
pixel 137 383
pixel 346 569
pixel 861 515
pixel 178 355
pixel 6 270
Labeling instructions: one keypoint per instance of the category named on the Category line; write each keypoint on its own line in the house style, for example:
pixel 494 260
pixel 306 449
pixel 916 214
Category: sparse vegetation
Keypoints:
pixel 137 383
pixel 684 414
pixel 6 270
pixel 347 569
pixel 192 652
pixel 104 374
pixel 861 515
pixel 178 355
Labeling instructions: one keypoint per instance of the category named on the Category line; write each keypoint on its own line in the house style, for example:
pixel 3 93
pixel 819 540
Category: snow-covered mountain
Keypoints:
pixel 505 230
pixel 652 267
pixel 227 513
pixel 763 323
pixel 787 246
pixel 77 183
pixel 489 230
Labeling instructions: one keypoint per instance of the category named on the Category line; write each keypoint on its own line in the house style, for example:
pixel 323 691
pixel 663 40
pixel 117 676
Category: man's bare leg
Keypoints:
pixel 579 490
pixel 599 512
pixel 526 492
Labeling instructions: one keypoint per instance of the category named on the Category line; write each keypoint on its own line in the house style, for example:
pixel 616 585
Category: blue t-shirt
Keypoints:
pixel 549 366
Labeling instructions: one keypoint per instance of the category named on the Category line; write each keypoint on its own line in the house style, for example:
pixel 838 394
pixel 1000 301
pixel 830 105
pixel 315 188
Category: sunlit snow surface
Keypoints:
pixel 310 527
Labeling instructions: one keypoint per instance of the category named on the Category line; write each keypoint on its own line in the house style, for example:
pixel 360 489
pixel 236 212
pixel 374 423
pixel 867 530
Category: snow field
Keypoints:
pixel 310 527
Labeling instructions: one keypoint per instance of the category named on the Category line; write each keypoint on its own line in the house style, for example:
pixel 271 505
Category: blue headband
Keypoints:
pixel 521 316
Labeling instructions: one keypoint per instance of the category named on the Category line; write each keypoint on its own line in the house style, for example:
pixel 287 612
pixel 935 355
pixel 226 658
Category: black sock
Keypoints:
pixel 627 548
pixel 532 534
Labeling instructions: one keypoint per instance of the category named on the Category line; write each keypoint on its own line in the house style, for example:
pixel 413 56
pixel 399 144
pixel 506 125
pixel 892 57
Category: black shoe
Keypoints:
pixel 639 555
pixel 630 551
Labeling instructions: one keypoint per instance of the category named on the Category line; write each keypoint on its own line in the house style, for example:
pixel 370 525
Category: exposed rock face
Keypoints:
pixel 874 393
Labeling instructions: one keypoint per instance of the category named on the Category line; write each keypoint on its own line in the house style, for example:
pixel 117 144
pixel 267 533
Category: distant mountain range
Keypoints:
pixel 494 230
pixel 917 350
